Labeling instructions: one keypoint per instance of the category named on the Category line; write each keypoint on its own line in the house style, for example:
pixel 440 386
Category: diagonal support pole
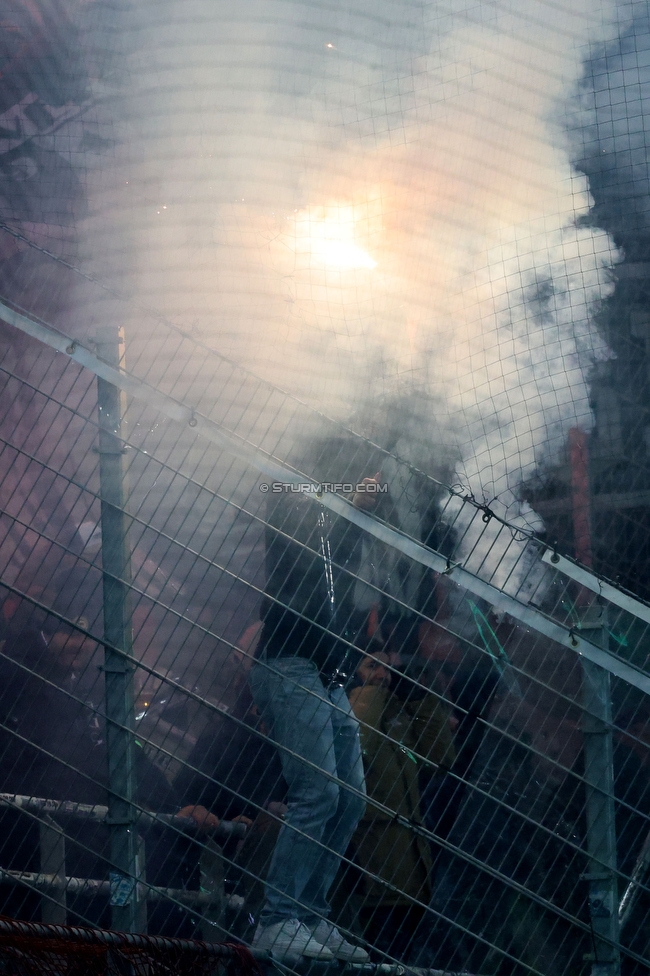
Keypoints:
pixel 267 465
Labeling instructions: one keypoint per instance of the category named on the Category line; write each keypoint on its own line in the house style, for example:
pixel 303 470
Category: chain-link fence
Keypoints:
pixel 501 690
pixel 306 314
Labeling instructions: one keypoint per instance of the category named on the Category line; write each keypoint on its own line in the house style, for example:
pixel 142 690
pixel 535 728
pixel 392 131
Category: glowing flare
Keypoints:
pixel 327 234
pixel 342 254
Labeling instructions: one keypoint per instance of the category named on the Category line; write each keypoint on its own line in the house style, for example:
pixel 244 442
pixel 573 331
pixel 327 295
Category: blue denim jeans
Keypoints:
pixel 316 724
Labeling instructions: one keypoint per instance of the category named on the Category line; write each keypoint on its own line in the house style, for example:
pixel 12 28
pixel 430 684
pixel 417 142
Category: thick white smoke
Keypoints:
pixel 361 201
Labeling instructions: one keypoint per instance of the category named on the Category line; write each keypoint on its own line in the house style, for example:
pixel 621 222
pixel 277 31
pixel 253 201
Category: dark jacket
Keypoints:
pixel 312 559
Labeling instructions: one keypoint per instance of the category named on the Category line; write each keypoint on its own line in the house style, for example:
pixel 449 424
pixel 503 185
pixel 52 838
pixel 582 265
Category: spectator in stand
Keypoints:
pixel 471 690
pixel 52 745
pixel 236 772
pixel 233 769
pixel 298 684
pixel 404 727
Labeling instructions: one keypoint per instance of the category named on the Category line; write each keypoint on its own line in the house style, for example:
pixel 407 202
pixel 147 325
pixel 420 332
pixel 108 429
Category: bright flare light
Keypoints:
pixel 327 235
pixel 341 254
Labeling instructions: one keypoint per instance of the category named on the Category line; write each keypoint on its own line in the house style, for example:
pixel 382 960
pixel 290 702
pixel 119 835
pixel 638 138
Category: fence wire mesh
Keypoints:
pixel 473 851
pixel 305 311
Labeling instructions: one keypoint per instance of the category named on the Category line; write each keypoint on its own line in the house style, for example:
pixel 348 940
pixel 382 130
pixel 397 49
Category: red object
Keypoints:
pixel 37 949
pixel 437 644
pixel 579 460
pixel 581 505
pixel 373 621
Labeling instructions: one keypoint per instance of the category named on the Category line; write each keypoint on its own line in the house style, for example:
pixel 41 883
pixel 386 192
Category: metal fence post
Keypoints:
pixel 600 807
pixel 52 843
pixel 597 729
pixel 116 568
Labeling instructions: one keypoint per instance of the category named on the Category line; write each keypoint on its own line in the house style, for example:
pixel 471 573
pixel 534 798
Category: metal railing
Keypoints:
pixel 57 885
pixel 537 654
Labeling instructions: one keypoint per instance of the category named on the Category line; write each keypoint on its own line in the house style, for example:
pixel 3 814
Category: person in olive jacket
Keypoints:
pixel 403 727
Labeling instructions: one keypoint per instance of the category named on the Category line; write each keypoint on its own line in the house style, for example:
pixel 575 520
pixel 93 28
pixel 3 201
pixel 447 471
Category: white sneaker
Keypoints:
pixel 331 938
pixel 290 938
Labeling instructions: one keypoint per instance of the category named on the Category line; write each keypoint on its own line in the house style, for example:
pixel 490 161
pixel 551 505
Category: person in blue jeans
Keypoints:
pixel 303 659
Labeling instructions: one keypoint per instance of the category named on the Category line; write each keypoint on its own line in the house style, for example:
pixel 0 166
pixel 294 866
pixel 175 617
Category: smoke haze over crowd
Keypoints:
pixel 368 204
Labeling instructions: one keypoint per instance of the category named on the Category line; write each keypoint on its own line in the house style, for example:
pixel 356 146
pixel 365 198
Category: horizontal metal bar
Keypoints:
pixel 591 582
pixel 93 888
pixel 36 931
pixel 96 813
pixel 414 550
pixel 81 935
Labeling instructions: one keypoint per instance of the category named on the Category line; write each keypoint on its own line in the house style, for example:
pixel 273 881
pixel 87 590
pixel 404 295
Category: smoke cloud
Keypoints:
pixel 368 203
